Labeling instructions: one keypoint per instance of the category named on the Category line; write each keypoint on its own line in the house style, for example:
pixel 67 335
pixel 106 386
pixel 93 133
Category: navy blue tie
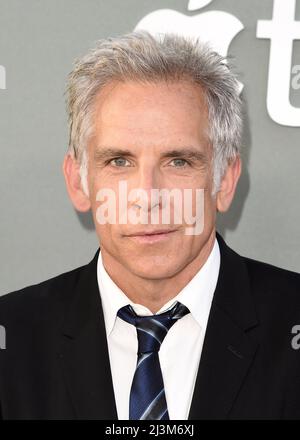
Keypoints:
pixel 147 395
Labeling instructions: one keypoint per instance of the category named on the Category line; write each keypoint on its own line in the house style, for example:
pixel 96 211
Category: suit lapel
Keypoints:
pixel 84 351
pixel 228 349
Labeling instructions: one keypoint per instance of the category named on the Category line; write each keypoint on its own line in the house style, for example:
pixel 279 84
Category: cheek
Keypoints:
pixel 107 237
pixel 102 191
pixel 209 209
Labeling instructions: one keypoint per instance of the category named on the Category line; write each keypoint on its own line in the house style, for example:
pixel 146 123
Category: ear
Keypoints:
pixel 72 176
pixel 228 184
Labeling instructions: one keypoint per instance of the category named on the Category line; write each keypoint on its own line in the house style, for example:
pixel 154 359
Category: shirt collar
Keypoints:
pixel 197 295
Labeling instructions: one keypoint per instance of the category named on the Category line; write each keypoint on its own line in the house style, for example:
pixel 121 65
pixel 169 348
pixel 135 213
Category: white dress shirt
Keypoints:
pixel 181 349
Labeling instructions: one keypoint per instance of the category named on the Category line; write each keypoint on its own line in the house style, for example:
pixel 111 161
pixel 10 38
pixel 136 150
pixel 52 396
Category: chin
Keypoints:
pixel 155 267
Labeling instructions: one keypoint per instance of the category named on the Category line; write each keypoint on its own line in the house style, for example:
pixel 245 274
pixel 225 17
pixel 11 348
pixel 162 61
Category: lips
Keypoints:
pixel 149 233
pixel 151 237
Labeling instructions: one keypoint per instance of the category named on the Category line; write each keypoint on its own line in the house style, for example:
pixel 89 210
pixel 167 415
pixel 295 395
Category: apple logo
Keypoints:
pixel 217 28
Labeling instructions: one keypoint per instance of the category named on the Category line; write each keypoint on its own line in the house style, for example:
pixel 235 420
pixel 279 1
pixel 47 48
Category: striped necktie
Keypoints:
pixel 147 395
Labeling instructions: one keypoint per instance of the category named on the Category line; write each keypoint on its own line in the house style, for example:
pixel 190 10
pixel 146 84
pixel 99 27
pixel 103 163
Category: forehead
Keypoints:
pixel 150 113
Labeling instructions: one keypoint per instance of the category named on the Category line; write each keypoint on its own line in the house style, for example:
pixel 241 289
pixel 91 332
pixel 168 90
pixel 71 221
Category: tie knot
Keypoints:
pixel 151 330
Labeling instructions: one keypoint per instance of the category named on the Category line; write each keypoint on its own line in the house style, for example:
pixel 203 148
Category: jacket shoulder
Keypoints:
pixel 39 299
pixel 274 286
pixel 271 276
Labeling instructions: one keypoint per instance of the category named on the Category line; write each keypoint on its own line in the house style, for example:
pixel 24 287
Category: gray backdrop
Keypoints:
pixel 41 234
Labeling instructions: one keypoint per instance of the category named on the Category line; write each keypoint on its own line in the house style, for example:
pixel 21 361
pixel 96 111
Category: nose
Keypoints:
pixel 146 185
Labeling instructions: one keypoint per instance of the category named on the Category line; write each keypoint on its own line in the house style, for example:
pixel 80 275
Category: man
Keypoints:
pixel 166 322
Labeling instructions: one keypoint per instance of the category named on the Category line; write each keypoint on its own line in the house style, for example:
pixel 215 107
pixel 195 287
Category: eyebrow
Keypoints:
pixel 104 153
pixel 191 153
pixel 187 153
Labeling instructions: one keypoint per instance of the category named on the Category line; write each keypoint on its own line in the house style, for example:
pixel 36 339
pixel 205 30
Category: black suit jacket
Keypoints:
pixel 56 364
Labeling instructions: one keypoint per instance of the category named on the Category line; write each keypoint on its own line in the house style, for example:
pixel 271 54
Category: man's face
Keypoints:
pixel 151 136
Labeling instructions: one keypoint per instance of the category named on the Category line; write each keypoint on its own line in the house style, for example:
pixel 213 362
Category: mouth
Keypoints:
pixel 152 236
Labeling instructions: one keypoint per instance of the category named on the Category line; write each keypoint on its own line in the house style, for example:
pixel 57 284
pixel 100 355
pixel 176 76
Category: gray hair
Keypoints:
pixel 139 56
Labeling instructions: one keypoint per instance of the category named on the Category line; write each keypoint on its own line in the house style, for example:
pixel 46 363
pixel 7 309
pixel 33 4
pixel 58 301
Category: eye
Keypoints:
pixel 119 162
pixel 180 163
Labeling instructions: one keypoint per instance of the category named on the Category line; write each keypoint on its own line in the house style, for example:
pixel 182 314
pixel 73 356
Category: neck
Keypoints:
pixel 155 292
